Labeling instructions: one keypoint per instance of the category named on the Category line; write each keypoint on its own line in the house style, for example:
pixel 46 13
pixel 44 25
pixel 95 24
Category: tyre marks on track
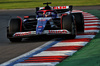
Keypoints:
pixel 65 48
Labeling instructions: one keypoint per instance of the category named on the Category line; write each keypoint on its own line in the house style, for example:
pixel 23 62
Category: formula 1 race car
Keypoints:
pixel 57 20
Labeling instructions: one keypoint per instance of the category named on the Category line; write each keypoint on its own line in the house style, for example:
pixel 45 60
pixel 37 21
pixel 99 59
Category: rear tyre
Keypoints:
pixel 69 24
pixel 79 22
pixel 14 26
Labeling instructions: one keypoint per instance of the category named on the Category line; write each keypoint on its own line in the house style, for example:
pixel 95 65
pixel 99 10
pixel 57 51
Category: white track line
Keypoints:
pixel 85 36
pixel 56 53
pixel 91 23
pixel 91 31
pixel 37 64
pixel 70 44
pixel 89 16
pixel 92 26
pixel 90 20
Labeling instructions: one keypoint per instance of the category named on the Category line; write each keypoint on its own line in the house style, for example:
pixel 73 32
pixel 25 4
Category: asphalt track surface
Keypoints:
pixel 10 50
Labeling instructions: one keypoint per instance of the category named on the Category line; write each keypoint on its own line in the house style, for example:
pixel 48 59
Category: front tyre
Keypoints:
pixel 14 26
pixel 79 19
pixel 68 23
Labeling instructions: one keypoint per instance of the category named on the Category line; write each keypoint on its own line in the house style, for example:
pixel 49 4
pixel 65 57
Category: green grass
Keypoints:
pixel 88 55
pixel 17 4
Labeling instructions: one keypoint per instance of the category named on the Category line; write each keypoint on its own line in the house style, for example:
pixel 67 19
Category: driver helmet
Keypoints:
pixel 48 14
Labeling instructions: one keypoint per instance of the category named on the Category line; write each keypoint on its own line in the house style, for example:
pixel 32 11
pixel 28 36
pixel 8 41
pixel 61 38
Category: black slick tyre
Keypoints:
pixel 14 26
pixel 69 24
pixel 79 22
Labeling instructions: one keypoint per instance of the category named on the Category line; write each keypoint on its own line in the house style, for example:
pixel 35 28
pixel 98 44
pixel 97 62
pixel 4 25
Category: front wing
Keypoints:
pixel 45 32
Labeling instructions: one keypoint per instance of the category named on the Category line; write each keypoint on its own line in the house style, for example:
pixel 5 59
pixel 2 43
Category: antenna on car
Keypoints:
pixel 47 3
pixel 47 7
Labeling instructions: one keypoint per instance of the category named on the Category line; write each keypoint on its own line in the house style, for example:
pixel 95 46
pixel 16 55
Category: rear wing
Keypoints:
pixel 57 8
pixel 62 7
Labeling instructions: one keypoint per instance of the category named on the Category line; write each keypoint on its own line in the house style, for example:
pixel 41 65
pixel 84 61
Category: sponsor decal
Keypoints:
pixel 56 7
pixel 22 33
pixel 61 7
pixel 58 31
pixel 39 26
pixel 42 20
